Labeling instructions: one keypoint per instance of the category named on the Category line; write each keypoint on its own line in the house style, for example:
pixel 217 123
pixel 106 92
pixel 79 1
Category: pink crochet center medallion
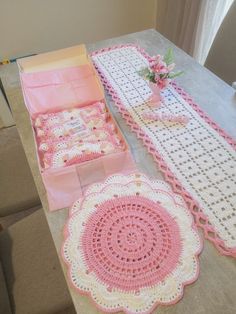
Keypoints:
pixel 131 242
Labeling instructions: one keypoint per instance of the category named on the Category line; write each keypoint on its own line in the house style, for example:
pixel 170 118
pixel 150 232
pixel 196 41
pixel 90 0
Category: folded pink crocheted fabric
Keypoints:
pixel 198 158
pixel 131 244
pixel 107 134
pixel 76 135
pixel 68 128
pixel 85 114
pixel 76 153
pixel 66 123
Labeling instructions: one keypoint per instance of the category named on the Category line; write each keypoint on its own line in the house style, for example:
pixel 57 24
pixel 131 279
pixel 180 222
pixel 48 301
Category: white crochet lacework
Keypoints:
pixel 170 290
pixel 200 159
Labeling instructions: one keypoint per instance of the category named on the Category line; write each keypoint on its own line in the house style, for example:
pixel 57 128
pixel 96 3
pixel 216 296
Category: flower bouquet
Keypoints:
pixel 159 74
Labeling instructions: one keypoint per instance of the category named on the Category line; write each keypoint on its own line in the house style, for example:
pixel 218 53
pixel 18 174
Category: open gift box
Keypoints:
pixel 63 80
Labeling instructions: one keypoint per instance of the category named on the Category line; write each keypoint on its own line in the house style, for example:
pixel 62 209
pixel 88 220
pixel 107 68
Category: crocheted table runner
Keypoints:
pixel 131 244
pixel 198 159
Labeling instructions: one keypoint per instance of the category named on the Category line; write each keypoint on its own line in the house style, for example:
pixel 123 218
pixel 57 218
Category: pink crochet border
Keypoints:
pixel 201 219
pixel 66 234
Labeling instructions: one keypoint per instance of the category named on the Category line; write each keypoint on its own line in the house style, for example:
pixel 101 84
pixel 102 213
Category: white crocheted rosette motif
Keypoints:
pixel 131 244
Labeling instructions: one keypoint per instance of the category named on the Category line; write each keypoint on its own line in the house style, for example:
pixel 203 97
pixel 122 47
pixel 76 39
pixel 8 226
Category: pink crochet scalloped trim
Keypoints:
pixel 201 219
pixel 66 233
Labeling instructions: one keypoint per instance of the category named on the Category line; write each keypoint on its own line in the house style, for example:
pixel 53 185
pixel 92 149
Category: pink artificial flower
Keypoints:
pixel 157 77
pixel 154 60
pixel 160 67
pixel 162 83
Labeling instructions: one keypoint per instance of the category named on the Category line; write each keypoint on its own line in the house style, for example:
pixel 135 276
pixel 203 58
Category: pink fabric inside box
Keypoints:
pixel 54 91
pixel 59 89
pixel 65 185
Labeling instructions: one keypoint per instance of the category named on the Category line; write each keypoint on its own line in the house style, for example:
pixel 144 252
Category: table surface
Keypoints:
pixel 215 289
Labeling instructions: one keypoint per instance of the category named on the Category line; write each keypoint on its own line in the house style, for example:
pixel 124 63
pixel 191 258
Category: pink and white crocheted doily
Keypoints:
pixel 131 244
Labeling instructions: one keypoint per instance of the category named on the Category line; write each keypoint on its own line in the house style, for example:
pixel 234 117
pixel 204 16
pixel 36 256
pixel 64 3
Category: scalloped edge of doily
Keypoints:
pixel 202 220
pixel 66 234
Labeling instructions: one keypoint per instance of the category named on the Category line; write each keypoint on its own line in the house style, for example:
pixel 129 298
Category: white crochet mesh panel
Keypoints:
pixel 202 160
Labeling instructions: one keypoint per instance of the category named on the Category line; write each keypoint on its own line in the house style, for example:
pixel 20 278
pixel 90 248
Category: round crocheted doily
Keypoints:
pixel 131 243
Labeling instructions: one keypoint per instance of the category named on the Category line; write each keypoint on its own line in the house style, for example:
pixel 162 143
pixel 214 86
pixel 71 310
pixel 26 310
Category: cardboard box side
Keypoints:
pixel 96 75
pixel 68 57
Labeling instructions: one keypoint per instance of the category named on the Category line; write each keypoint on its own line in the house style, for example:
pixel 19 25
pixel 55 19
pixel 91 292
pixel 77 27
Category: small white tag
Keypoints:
pixel 76 126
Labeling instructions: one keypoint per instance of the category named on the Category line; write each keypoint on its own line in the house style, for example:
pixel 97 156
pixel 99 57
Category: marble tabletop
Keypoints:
pixel 215 290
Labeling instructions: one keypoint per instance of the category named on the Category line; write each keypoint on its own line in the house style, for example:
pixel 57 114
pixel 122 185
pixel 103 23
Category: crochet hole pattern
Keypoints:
pixel 117 66
pixel 131 243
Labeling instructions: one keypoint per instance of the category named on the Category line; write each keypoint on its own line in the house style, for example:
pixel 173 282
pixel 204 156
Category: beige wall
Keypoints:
pixel 31 26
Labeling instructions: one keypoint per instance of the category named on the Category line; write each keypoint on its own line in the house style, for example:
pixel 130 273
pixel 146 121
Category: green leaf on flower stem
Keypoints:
pixel 151 77
pixel 169 56
pixel 144 71
pixel 147 74
pixel 173 75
